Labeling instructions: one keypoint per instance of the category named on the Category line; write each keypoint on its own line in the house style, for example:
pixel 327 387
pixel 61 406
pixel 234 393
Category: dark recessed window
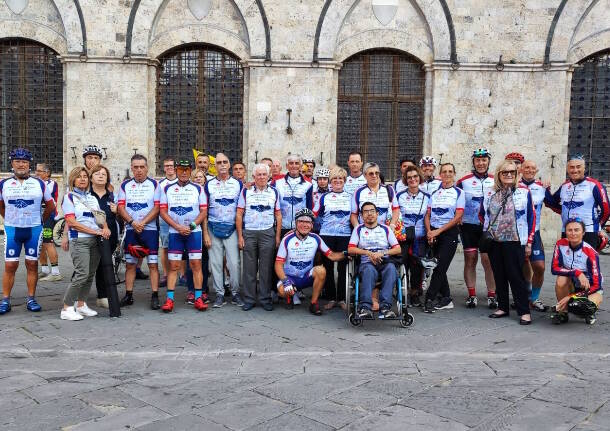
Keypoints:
pixel 31 102
pixel 381 108
pixel 200 90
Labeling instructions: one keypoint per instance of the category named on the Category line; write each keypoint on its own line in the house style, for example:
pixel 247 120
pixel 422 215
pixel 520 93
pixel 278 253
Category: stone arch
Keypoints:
pixel 435 17
pixel 145 15
pixel 59 24
pixel 563 41
pixel 592 34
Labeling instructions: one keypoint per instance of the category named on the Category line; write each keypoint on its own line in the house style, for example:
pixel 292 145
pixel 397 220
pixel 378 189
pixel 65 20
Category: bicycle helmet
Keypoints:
pixel 20 154
pixel 136 250
pixel 92 149
pixel 581 306
pixel 428 160
pixel 307 160
pixel 603 242
pixel 184 164
pixel 304 212
pixel 481 152
pixel 515 156
pixel 322 173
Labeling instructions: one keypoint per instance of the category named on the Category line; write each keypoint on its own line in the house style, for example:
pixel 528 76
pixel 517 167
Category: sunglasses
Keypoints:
pixel 412 177
pixel 373 174
pixel 508 173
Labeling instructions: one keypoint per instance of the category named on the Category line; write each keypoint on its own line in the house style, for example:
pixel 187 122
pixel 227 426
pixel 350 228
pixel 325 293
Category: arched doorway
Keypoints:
pixel 200 90
pixel 590 114
pixel 31 102
pixel 381 108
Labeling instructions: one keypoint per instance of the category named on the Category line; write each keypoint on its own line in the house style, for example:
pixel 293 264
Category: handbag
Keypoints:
pixel 98 215
pixel 487 238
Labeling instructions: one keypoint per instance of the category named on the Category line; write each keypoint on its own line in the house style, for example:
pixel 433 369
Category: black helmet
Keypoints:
pixel 184 164
pixel 304 212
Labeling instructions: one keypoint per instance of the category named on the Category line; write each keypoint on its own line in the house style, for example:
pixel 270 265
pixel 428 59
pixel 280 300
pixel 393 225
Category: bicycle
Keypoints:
pixel 118 259
pixel 58 231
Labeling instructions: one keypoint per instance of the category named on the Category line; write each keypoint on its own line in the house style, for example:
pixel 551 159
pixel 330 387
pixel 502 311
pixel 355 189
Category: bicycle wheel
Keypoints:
pixel 58 231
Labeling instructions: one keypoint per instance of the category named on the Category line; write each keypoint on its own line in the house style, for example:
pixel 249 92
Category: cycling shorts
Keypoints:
pixel 470 235
pixel 537 248
pixel 192 244
pixel 16 238
pixel 148 239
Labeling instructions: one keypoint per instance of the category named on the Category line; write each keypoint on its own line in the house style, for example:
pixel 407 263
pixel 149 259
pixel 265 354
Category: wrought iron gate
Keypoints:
pixel 590 115
pixel 199 103
pixel 31 102
pixel 381 108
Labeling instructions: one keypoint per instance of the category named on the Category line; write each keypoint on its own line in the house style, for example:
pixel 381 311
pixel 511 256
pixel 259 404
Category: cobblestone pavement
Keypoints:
pixel 230 369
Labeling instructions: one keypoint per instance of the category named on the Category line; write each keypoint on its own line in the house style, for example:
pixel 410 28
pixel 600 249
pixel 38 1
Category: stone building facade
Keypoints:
pixel 495 74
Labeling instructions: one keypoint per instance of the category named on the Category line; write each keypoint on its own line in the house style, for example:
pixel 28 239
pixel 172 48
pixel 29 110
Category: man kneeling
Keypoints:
pixel 375 243
pixel 579 282
pixel 294 264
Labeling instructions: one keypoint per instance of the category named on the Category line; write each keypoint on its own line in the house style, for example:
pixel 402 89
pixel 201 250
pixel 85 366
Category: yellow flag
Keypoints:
pixel 212 167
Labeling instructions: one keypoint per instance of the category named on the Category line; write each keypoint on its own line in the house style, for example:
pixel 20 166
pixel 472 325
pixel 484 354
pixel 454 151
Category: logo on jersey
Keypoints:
pixel 572 204
pixel 519 213
pixel 31 251
pixel 225 201
pixel 136 206
pixel 340 213
pixel 181 210
pixel 21 203
pixel 292 200
pixel 260 208
pixel 440 211
pixel 412 217
pixel 299 265
pixel 11 252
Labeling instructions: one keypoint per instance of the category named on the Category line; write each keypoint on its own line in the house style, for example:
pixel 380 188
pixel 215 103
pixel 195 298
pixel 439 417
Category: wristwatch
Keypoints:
pixel 192 226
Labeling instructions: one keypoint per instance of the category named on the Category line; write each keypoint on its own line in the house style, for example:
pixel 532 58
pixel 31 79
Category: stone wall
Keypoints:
pixel 110 68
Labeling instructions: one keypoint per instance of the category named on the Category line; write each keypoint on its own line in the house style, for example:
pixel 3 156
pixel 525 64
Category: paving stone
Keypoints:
pixel 291 422
pixel 68 386
pixel 126 419
pixel 575 393
pixel 109 400
pixel 400 418
pixel 330 413
pixel 19 382
pixel 244 410
pixel 365 397
pixel 14 400
pixel 54 414
pixel 185 422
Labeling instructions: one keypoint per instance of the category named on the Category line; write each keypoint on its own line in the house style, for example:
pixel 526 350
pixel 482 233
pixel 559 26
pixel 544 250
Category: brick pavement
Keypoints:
pixel 230 369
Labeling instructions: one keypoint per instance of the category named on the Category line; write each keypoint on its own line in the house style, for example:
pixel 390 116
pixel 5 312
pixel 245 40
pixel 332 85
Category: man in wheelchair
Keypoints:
pixel 374 243
pixel 294 264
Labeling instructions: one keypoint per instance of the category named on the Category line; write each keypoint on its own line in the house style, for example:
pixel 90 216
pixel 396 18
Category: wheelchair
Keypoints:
pixel 352 285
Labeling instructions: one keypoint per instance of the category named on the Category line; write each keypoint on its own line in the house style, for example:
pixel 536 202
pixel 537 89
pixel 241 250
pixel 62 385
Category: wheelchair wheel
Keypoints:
pixel 348 290
pixel 354 320
pixel 58 231
pixel 407 320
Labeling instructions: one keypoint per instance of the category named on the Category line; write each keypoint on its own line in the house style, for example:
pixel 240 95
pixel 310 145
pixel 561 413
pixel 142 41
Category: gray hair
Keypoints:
pixel 263 166
pixel 293 157
pixel 369 165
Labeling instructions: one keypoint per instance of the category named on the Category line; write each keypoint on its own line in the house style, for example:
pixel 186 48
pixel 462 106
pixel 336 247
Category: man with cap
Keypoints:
pixel 308 168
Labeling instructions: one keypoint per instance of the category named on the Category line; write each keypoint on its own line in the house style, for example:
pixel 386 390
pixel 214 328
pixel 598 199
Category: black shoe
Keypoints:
pixel 127 300
pixel 525 322
pixel 429 307
pixel 557 317
pixel 154 302
pixel 140 275
pixel 416 301
pixel 247 306
pixel 314 308
pixel 289 303
pixel 386 313
pixel 497 315
pixel 365 313
pixel 267 306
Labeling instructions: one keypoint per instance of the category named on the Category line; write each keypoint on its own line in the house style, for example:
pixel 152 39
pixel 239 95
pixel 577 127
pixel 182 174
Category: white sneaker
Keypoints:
pixel 70 314
pixel 86 311
pixel 52 277
pixel 102 302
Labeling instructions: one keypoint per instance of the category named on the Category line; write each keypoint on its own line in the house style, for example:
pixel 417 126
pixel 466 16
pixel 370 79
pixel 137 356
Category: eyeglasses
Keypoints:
pixel 412 177
pixel 222 162
pixel 168 166
pixel 369 211
pixel 508 173
pixel 373 174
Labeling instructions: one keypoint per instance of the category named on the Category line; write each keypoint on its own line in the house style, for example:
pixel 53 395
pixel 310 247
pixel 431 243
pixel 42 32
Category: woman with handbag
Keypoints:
pixel 445 210
pixel 510 221
pixel 100 182
pixel 413 206
pixel 86 222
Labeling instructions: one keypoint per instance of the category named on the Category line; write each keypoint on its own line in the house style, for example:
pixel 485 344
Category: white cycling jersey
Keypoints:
pixel 183 203
pixel 23 201
pixel 139 199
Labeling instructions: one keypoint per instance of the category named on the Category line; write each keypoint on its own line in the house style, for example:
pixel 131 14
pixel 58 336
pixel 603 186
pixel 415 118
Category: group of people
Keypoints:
pixel 280 233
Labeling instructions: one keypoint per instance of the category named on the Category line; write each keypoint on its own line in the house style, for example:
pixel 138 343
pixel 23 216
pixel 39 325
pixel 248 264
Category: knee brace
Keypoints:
pixel 580 306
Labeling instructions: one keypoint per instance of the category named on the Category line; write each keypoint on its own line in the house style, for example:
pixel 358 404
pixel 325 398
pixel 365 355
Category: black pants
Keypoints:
pixel 415 272
pixel 507 259
pixel 100 281
pixel 332 291
pixel 444 250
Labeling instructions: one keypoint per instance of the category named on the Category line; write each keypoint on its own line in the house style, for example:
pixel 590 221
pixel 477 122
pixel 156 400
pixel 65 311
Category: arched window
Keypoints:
pixel 590 114
pixel 31 102
pixel 381 108
pixel 200 92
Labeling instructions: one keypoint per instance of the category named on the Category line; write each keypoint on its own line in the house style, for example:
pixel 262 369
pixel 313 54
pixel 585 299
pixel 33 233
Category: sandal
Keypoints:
pixel 330 305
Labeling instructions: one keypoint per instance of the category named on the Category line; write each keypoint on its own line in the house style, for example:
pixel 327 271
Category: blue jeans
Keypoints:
pixel 369 274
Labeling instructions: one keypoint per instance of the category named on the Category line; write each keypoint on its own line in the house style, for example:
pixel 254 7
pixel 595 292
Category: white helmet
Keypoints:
pixel 322 173
pixel 428 160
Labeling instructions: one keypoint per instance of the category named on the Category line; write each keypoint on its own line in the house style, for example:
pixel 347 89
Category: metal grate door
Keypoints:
pixel 199 103
pixel 31 102
pixel 590 115
pixel 381 108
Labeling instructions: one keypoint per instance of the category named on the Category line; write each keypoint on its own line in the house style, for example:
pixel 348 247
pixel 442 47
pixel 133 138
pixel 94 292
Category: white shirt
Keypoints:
pixel 384 199
pixel 298 254
pixel 353 183
pixel 443 205
pixel 139 199
pixel 183 203
pixel 259 207
pixel 23 201
pixel 75 205
pixel 333 210
pixel 222 197
pixel 374 239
